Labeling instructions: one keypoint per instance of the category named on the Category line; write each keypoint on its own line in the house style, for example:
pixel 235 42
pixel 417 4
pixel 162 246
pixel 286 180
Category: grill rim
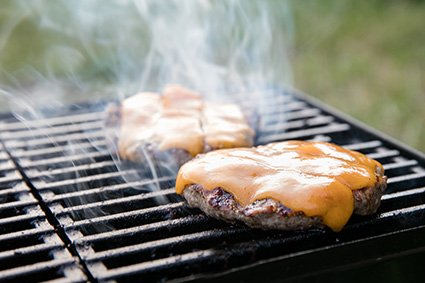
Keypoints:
pixel 266 266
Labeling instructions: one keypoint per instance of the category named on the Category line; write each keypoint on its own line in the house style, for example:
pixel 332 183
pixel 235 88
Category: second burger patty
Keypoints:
pixel 176 124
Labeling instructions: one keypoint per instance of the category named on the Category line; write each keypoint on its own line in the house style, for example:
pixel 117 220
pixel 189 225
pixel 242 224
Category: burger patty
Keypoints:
pixel 270 214
pixel 173 126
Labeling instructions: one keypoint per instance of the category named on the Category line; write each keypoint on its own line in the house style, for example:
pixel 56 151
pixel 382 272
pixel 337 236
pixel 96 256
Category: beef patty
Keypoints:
pixel 353 184
pixel 176 125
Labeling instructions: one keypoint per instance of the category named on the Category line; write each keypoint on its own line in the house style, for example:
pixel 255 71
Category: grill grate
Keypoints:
pixel 122 229
pixel 30 250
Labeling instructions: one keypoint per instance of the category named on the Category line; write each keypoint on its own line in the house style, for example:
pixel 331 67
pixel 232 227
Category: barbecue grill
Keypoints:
pixel 69 211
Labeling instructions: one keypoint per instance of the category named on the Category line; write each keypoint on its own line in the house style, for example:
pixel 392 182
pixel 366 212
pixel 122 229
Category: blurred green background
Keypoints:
pixel 366 58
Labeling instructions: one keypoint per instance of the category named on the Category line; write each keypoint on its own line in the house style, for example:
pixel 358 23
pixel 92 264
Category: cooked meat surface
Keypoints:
pixel 150 125
pixel 288 185
pixel 264 214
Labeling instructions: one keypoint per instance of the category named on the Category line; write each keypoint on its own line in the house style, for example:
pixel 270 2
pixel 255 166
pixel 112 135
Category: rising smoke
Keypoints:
pixel 89 50
pixel 116 48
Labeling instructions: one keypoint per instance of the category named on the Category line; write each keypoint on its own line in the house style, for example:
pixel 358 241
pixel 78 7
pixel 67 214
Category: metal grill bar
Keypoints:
pixel 281 100
pixel 26 233
pixel 64 159
pixel 164 243
pixel 167 224
pixel 37 267
pixel 29 250
pixel 104 190
pixel 6 166
pixel 316 121
pixel 172 261
pixel 404 193
pixel 383 154
pixel 363 145
pixel 15 190
pixel 305 133
pixel 10 178
pixel 118 201
pixel 28 217
pixel 167 208
pixel 395 165
pixel 406 178
pixel 187 259
pixel 61 184
pixel 301 114
pixel 404 211
pixel 61 149
pixel 48 141
pixel 17 204
pixel 54 121
pixel 52 131
pixel 84 167
pixel 289 107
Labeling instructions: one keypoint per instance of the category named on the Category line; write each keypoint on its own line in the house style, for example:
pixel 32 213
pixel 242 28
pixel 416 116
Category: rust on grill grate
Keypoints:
pixel 122 229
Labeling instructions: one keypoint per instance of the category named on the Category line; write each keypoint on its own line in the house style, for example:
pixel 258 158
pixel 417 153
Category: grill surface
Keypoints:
pixel 29 247
pixel 119 227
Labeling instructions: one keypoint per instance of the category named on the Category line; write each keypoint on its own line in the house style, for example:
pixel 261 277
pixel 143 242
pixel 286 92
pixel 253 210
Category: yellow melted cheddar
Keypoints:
pixel 316 178
pixel 224 126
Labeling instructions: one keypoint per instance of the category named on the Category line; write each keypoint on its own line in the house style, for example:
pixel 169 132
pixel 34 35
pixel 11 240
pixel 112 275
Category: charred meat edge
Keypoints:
pixel 264 214
pixel 270 214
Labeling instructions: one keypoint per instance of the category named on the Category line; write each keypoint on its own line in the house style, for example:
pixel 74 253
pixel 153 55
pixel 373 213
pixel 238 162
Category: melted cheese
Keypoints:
pixel 179 123
pixel 180 119
pixel 225 126
pixel 136 124
pixel 313 177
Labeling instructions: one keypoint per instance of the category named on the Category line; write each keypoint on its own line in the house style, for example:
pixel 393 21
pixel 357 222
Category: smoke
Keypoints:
pixel 116 48
pixel 53 53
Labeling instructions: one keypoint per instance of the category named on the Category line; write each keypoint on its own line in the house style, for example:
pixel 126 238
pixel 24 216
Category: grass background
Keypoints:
pixel 366 58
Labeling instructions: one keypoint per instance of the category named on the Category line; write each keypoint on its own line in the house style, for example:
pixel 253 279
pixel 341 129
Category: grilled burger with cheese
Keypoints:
pixel 177 123
pixel 286 185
